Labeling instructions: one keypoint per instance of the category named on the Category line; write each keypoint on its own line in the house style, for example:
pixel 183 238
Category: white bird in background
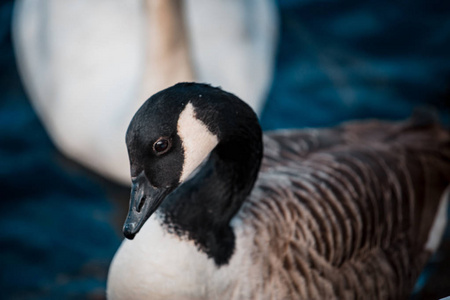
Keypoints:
pixel 87 65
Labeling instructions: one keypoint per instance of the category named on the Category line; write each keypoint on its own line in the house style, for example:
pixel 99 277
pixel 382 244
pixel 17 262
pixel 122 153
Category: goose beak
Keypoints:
pixel 144 200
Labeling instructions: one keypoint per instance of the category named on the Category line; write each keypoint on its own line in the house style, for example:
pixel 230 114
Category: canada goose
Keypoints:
pixel 351 212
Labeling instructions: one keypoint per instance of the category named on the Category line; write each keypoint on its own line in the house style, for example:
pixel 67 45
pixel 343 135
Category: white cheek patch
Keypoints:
pixel 196 138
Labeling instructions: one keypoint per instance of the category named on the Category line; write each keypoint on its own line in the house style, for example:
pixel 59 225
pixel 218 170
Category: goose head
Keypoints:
pixel 178 132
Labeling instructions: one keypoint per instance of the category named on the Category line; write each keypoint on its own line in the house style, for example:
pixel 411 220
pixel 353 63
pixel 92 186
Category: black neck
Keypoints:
pixel 201 209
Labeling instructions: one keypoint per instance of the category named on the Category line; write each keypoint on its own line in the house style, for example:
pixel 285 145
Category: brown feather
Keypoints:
pixel 345 213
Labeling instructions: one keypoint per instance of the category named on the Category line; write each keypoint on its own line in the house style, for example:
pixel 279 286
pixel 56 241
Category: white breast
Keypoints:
pixel 159 265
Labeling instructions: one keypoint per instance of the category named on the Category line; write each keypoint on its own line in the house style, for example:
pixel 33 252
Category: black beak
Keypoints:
pixel 144 200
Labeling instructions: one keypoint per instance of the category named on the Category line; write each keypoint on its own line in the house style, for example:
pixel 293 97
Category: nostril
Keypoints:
pixel 141 204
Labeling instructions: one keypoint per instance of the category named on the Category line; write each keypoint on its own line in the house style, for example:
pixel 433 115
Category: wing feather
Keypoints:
pixel 346 202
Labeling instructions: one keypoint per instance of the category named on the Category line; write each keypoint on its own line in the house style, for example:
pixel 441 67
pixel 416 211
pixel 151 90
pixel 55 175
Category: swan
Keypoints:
pixel 88 65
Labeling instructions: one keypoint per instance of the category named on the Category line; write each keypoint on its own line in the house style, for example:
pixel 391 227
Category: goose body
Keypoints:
pixel 351 212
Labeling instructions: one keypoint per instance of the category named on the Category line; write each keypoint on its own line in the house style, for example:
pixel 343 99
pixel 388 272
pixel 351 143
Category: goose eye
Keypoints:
pixel 161 146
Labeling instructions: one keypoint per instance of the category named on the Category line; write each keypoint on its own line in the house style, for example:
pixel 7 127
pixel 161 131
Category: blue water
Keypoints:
pixel 342 60
pixel 56 237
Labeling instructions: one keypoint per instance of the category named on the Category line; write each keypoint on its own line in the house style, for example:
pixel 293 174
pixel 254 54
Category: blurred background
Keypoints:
pixel 72 74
